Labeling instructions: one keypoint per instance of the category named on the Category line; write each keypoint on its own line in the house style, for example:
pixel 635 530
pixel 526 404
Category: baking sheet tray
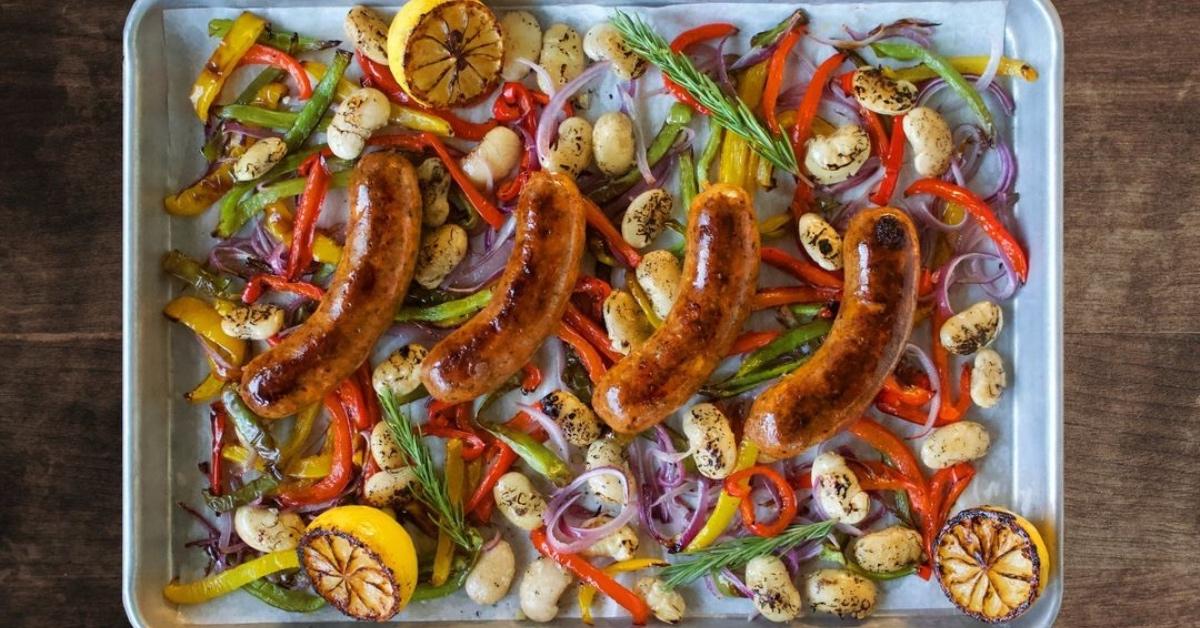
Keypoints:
pixel 164 436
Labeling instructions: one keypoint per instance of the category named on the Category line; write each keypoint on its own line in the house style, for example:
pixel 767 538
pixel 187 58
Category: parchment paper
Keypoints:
pixel 967 27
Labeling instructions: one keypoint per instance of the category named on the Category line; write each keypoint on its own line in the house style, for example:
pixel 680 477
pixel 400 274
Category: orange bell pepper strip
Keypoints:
pixel 616 243
pixel 774 297
pixel 589 574
pixel 752 340
pixel 800 268
pixel 418 142
pixel 983 214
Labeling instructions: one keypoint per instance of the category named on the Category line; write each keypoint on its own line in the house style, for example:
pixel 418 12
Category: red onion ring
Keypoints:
pixel 993 64
pixel 586 537
pixel 542 74
pixel 935 403
pixel 548 123
pixel 629 104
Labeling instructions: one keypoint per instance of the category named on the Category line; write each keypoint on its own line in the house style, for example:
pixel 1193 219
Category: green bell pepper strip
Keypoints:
pixel 266 118
pixel 711 148
pixel 286 188
pixel 809 310
pixel 786 343
pixel 912 52
pixel 425 592
pixel 242 496
pixel 536 455
pixel 283 40
pixel 250 429
pixel 834 555
pixel 231 580
pixel 230 219
pixel 739 385
pixel 677 120
pixel 194 274
pixel 284 599
pixel 316 106
pixel 688 186
pixel 449 310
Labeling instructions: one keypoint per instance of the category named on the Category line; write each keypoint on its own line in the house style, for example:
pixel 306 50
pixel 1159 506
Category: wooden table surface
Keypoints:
pixel 1133 277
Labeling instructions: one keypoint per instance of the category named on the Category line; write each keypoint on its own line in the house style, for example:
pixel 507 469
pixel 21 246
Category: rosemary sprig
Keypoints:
pixel 738 552
pixel 727 110
pixel 430 487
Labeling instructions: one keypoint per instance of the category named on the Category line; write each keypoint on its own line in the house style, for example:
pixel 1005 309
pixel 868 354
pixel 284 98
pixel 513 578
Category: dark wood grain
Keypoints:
pixel 1133 274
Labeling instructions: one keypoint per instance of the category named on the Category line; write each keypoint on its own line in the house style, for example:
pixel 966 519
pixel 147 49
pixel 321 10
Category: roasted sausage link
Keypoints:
pixel 370 281
pixel 715 293
pixel 528 301
pixel 865 343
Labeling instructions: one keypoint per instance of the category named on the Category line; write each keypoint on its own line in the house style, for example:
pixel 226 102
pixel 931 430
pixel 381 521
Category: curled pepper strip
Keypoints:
pixel 738 485
pixel 259 54
pixel 1008 246
pixel 531 377
pixel 596 291
pixel 681 43
pixel 240 38
pixel 589 574
pixel 342 466
pixel 256 285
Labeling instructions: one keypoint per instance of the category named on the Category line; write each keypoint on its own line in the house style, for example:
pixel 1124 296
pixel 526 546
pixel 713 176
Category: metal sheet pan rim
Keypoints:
pixel 132 523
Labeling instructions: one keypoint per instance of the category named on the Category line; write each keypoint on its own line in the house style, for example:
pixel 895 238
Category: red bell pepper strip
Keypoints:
pixel 800 268
pixel 752 340
pixel 216 416
pixel 961 476
pixel 982 213
pixel 417 142
pixel 775 69
pixel 681 43
pixel 876 476
pixel 592 362
pixel 254 288
pixel 473 445
pixel 340 470
pixel 591 331
pixel 355 403
pixel 589 574
pixel 502 459
pixel 616 243
pixel 891 164
pixel 307 210
pixel 738 485
pixel 805 114
pixel 906 465
pixel 774 297
pixel 368 389
pixel 904 393
pixel 259 54
pixel 531 378
pixel 596 291
pixel 380 76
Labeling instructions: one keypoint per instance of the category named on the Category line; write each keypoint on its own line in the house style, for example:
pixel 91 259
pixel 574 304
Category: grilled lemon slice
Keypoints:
pixel 361 561
pixel 446 53
pixel 991 563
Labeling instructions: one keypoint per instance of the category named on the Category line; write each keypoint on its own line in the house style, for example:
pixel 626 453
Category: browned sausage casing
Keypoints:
pixel 720 273
pixel 881 254
pixel 528 301
pixel 372 277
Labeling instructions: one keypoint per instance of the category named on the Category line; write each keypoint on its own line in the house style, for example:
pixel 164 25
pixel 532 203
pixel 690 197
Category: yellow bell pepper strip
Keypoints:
pixel 727 505
pixel 738 161
pixel 231 580
pixel 199 196
pixel 283 40
pixel 284 599
pixel 454 487
pixel 203 319
pixel 587 593
pixel 278 221
pixel 241 36
pixel 204 391
pixel 969 65
pixel 301 429
pixel 954 79
pixel 316 106
pixel 308 467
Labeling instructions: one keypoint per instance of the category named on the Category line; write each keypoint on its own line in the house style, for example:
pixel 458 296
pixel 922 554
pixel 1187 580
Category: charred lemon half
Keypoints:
pixel 446 53
pixel 991 563
pixel 361 561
